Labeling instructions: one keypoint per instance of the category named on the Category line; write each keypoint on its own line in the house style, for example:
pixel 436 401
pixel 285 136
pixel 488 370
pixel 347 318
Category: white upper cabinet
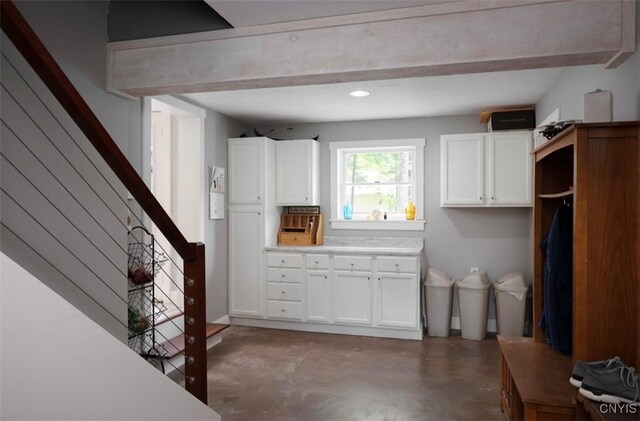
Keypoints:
pixel 509 169
pixel 486 169
pixel 297 169
pixel 462 166
pixel 246 170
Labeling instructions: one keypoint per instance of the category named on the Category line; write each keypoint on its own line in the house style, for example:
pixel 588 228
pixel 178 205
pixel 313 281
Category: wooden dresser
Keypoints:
pixel 595 168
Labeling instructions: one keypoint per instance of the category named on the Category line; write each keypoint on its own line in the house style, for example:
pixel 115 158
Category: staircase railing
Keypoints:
pixel 33 50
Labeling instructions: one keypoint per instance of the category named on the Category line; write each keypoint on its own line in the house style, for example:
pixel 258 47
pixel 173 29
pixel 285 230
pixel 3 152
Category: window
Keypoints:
pixel 377 177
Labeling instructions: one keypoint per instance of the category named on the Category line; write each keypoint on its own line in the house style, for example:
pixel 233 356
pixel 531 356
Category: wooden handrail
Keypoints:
pixel 30 46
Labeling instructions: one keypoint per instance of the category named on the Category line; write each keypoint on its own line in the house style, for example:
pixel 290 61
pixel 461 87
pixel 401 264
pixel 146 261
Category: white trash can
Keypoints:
pixel 511 300
pixel 473 297
pixel 438 292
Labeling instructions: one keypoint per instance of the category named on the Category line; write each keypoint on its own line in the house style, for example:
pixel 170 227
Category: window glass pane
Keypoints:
pixel 378 167
pixel 391 199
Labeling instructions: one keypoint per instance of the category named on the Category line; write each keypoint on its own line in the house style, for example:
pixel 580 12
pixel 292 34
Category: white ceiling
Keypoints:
pixel 397 98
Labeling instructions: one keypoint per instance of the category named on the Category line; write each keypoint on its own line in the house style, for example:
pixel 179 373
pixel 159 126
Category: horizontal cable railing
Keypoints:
pixel 58 204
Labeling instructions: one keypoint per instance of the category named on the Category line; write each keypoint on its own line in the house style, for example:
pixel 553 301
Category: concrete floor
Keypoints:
pixel 264 374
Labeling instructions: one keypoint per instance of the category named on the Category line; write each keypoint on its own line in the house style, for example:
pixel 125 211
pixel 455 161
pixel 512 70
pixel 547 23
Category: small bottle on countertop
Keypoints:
pixel 385 216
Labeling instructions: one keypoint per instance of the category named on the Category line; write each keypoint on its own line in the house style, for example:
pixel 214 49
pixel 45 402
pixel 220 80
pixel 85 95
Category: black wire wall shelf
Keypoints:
pixel 143 307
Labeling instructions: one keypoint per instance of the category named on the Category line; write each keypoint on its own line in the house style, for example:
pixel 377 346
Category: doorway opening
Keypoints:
pixel 173 167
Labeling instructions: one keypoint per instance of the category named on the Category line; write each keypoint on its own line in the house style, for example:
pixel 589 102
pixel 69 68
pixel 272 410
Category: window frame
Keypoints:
pixel 337 151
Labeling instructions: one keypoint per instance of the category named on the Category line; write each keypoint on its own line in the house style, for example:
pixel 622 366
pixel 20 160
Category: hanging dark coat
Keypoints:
pixel 557 318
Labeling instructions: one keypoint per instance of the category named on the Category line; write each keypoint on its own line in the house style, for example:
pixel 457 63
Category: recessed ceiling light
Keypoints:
pixel 359 94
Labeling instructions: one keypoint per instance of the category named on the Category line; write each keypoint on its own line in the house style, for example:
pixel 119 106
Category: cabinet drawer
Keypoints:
pixel 284 275
pixel 284 260
pixel 281 291
pixel 284 309
pixel 352 263
pixel 397 264
pixel 317 261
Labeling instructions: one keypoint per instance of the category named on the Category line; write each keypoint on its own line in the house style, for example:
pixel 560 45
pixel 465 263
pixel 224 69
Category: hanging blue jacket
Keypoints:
pixel 557 317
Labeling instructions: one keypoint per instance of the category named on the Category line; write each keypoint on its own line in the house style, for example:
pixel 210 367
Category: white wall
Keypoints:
pixel 79 46
pixel 568 91
pixel 75 34
pixel 218 128
pixel 495 240
pixel 66 367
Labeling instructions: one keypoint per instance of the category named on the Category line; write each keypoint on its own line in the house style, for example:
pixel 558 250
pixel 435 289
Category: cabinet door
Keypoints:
pixel 509 169
pixel 397 300
pixel 318 299
pixel 352 297
pixel 246 171
pixel 246 270
pixel 462 170
pixel 296 172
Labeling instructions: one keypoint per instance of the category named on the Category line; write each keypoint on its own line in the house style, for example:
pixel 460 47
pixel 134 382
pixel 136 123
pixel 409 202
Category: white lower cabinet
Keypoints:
pixel 352 297
pixel 284 286
pixel 246 271
pixel 340 293
pixel 397 304
pixel 318 297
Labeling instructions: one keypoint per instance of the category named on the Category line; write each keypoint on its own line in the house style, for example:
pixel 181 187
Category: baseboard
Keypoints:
pixel 414 334
pixel 491 324
pixel 224 320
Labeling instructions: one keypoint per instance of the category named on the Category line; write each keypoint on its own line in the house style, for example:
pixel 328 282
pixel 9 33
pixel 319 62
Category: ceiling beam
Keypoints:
pixel 441 39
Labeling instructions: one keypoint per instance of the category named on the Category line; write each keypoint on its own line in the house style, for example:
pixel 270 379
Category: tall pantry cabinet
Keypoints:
pixel 253 221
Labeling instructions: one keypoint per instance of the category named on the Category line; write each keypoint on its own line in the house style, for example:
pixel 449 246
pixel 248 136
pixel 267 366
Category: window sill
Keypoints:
pixel 393 225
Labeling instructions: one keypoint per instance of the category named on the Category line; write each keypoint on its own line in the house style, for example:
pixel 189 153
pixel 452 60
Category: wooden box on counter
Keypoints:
pixel 300 230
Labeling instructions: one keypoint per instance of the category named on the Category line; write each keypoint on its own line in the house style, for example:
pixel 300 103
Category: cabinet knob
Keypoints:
pixel 316 262
pixel 283 275
pixel 325 276
pixel 493 198
pixel 480 197
pixel 282 260
pixel 397 264
pixel 282 310
pixel 351 264
pixel 283 292
pixel 368 278
pixel 258 197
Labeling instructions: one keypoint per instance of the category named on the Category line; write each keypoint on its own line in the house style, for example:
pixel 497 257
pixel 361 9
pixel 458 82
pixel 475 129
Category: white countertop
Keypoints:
pixel 392 246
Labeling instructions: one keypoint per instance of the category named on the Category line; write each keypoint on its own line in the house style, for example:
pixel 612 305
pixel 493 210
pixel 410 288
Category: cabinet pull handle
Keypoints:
pixel 306 199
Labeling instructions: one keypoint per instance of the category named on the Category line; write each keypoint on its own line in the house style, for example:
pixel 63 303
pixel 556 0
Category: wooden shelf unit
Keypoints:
pixel 598 167
pixel 600 164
